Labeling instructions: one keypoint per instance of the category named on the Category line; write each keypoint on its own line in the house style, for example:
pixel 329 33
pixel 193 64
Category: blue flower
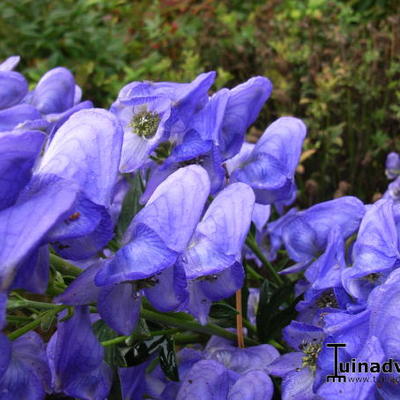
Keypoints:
pixel 212 261
pixel 151 113
pixel 219 372
pixel 370 336
pixel 297 369
pixel 13 88
pixel 376 250
pixel 24 371
pixel 146 264
pixel 76 359
pixel 270 167
pixel 29 208
pixel 392 169
pixel 306 234
pixel 55 92
pixel 242 106
pixel 85 150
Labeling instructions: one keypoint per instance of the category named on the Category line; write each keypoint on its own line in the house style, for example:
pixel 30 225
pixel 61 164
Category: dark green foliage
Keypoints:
pixel 168 360
pixel 112 354
pixel 276 309
pixel 335 63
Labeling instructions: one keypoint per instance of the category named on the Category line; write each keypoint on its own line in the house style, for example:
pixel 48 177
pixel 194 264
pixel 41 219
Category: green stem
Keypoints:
pixel 209 329
pixel 181 338
pixel 249 326
pixel 17 318
pixel 63 266
pixel 121 339
pixel 253 273
pixel 34 324
pixel 13 304
pixel 277 345
pixel 257 251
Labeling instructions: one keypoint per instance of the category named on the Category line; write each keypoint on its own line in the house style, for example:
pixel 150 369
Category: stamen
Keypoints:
pixel 311 352
pixel 147 282
pixel 328 299
pixel 373 278
pixel 145 124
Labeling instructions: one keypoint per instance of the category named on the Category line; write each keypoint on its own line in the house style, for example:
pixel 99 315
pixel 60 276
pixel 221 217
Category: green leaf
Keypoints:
pixel 47 321
pixel 141 330
pixel 276 309
pixel 168 360
pixel 224 313
pixel 112 354
pixel 139 352
pixel 131 205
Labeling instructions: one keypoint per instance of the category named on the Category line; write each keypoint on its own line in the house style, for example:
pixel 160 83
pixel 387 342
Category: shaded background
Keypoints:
pixel 336 64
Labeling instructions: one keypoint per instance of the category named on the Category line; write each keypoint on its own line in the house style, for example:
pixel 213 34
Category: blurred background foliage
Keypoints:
pixel 334 63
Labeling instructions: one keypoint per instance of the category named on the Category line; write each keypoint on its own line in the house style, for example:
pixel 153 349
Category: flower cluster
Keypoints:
pixel 111 218
pixel 350 254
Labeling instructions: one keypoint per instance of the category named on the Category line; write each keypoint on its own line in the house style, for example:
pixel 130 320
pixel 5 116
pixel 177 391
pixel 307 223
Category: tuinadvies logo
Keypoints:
pixel 355 366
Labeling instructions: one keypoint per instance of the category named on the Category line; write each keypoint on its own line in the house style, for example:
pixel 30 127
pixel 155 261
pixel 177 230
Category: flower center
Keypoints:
pixel 145 123
pixel 327 299
pixel 147 282
pixel 195 160
pixel 210 278
pixel 373 278
pixel 311 352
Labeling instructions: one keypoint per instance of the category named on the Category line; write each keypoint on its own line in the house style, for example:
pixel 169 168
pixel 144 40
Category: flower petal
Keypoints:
pixel 77 359
pixel 55 91
pixel 174 208
pixel 13 88
pixel 10 63
pixel 119 306
pixel 243 106
pixel 143 257
pixel 227 219
pixel 207 380
pixel 33 274
pixel 86 149
pixel 253 385
pixel 223 284
pixel 170 291
pixel 22 227
pixel 82 290
pixel 18 153
pixel 11 117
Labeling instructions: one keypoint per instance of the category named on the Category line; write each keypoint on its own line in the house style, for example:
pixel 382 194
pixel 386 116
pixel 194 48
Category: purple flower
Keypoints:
pixel 19 151
pixel 10 63
pixel 392 165
pixel 76 359
pixel 306 234
pixel 370 336
pixel 298 369
pixel 145 264
pixel 393 191
pixel 220 372
pixel 24 226
pixel 270 168
pixel 152 112
pixel 24 371
pixel 193 150
pixel 243 104
pixel 375 251
pixel 212 259
pixel 85 150
pixel 55 92
pixel 270 239
pixel 12 117
pixel 13 88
